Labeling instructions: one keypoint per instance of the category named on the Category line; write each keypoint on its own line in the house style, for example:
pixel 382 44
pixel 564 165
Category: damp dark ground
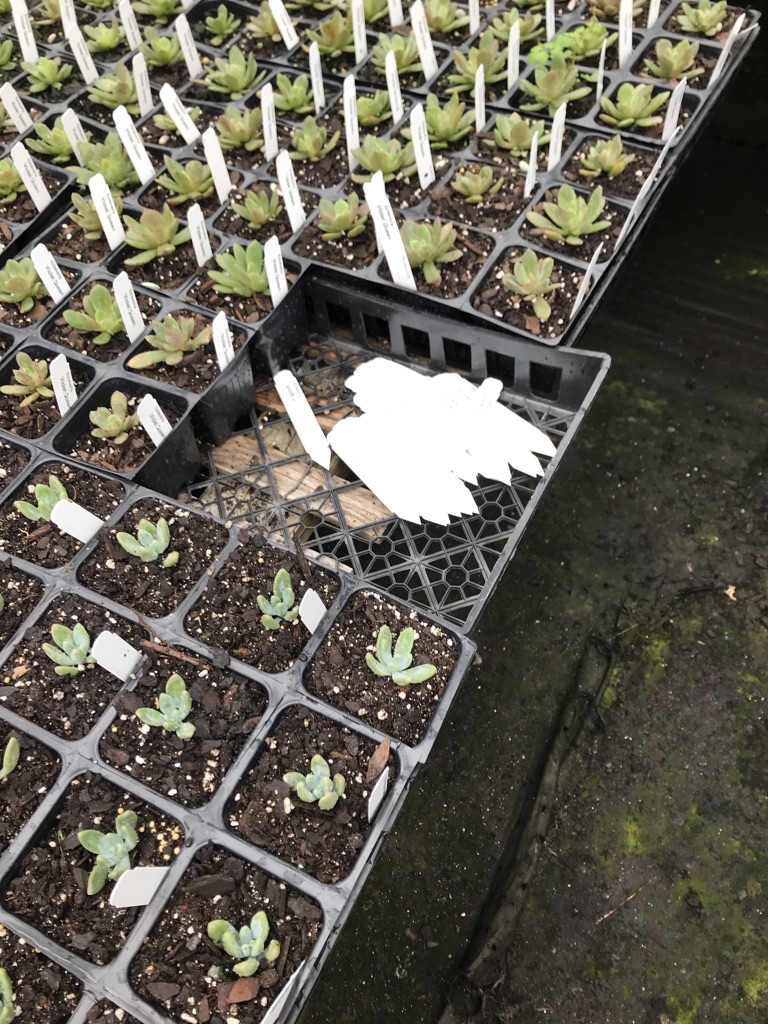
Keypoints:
pixel 637 602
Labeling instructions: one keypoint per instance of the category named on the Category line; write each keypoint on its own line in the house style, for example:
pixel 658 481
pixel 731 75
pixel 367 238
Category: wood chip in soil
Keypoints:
pixel 147 587
pixel 49 889
pixel 43 992
pixel 22 792
pixel 21 593
pixel 264 811
pixel 12 461
pixel 43 543
pixel 339 675
pixel 226 708
pixel 35 420
pixel 227 614
pixel 82 341
pixel 171 969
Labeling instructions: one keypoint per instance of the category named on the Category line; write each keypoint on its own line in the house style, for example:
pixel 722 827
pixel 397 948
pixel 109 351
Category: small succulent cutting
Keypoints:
pixel 114 90
pixel 150 542
pixel 32 380
pixel 114 423
pixel 281 606
pixel 311 142
pixel 515 133
pixel 444 17
pixel 160 11
pixel 634 106
pixel 48 73
pixel 575 46
pixel 221 25
pixel 86 216
pixel 385 663
pixel 241 271
pixel 703 19
pixel 609 10
pixel 187 183
pixel 553 86
pixel 531 26
pixel 100 315
pixel 47 497
pixel 427 244
pixel 674 61
pixel 488 55
pixel 52 142
pixel 246 945
pixel 7 1005
pixel 405 50
pixel 112 850
pixel 476 186
pixel 335 35
pixel 373 110
pixel 344 218
pixel 160 51
pixel 570 217
pixel 235 75
pixel 263 24
pixel 20 285
pixel 293 95
pixel 11 756
pixel 108 158
pixel 155 234
pixel 103 37
pixel 170 340
pixel 11 183
pixel 447 124
pixel 259 207
pixel 70 650
pixel 172 709
pixel 531 279
pixel 317 787
pixel 240 129
pixel 389 156
pixel 608 157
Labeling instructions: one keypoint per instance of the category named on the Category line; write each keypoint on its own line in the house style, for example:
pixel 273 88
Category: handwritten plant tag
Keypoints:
pixel 530 176
pixel 423 39
pixel 68 16
pixel 726 50
pixel 480 98
pixel 115 655
pixel 201 243
pixel 82 54
pixel 625 31
pixel 105 207
pixel 130 139
pixel 600 80
pixel 217 164
pixel 316 74
pixel 188 47
pixel 302 418
pixel 673 110
pixel 379 791
pixel 130 25
pixel 393 87
pixel 474 16
pixel 273 260
pixel 177 112
pixel 14 108
pixel 63 384
pixel 141 81
pixel 268 122
pixel 75 520
pixel 351 126
pixel 153 419
pixel 395 12
pixel 136 887
pixel 311 610
pixel 556 137
pixel 128 304
pixel 588 273
pixel 290 190
pixel 653 13
pixel 284 23
pixel 358 31
pixel 23 27
pixel 49 273
pixel 222 341
pixel 387 232
pixel 74 131
pixel 513 56
pixel 421 147
pixel 549 16
pixel 31 176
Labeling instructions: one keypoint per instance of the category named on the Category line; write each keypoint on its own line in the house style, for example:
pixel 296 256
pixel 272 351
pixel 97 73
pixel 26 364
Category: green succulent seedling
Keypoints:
pixel 576 46
pixel 70 650
pixel 405 50
pixel 335 35
pixel 20 285
pixel 173 707
pixel 515 133
pixel 7 1005
pixel 108 158
pixel 674 61
pixel 553 86
pixel 703 19
pixel 100 315
pixel 150 542
pixel 114 90
pixel 160 11
pixel 112 850
pixel 240 129
pixel 248 945
pixel 476 186
pixel 7 63
pixel 235 75
pixel 103 38
pixel 259 207
pixel 155 234
pixel 11 756
pixel 309 5
pixel 634 106
pixel 32 379
pixel 167 124
pixel 345 218
pixel 47 497
pixel 98 5
pixel 570 217
pixel 281 606
pixel 187 182
pixel 389 156
pixel 170 340
pixel 608 10
pixel 11 183
pixel 114 423
pixel 160 51
pixel 241 271
pixel 486 54
pixel 531 26
pixel 311 141
pixel 444 17
pixel 86 216
pixel 52 142
pixel 427 244
pixel 6 124
pixel 531 279
pixel 448 124
pixel 221 25
pixel 293 95
pixel 317 787
pixel 48 13
pixel 607 156
pixel 48 73
pixel 375 10
pixel 396 665
pixel 373 110
pixel 263 24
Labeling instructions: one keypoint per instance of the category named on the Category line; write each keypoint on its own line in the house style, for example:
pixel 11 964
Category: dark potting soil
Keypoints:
pixel 171 970
pixel 22 792
pixel 328 172
pixel 50 888
pixel 12 317
pixel 23 209
pixel 70 243
pixel 165 273
pixel 584 251
pixel 43 543
pixel 83 341
pixel 231 223
pixel 176 74
pixel 35 420
pixel 406 193
pixel 68 88
pixel 227 614
pixel 497 212
pixel 108 1013
pixel 20 593
pixel 67 706
pixel 625 185
pixel 156 196
pixel 236 307
pixel 12 461
pixel 338 672
pixel 83 106
pixel 493 299
pixel 226 708
pixel 325 844
pixel 43 992
pixel 455 277
pixel 373 76
pixel 340 65
pixel 147 587
pixel 262 49
pixel 349 253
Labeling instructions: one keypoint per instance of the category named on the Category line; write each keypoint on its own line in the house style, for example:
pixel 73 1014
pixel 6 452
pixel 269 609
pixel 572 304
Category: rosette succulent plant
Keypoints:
pixel 385 663
pixel 49 73
pixel 263 24
pixel 318 786
pixel 160 51
pixel 281 606
pixel 114 423
pixel 158 11
pixel 52 142
pixel 235 75
pixel 150 542
pixel 553 86
pixel 112 850
pixel 335 35
pixel 70 650
pixel 608 157
pixel 634 106
pixel 486 54
pixel 444 17
pixel 608 10
pixel 515 133
pixel 575 46
pixel 108 158
pixel 248 945
pixel 531 26
pixel 241 271
pixel 100 315
pixel 32 380
pixel 674 61
pixel 156 234
pixel 476 185
pixel 173 708
pixel 259 207
pixel 386 155
pixel 570 217
pixel 221 25
pixel 114 90
pixel 373 110
pixel 293 95
pixel 311 141
pixel 20 285
pixel 47 497
pixel 86 216
pixel 531 279
pixel 103 37
pixel 405 50
pixel 446 124
pixel 345 218
pixel 187 183
pixel 429 243
pixel 11 183
pixel 240 129
pixel 169 341
pixel 704 18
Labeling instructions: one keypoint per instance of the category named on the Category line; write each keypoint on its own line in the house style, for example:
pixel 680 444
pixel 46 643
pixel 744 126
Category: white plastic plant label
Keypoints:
pixel 14 108
pixel 215 158
pixel 82 54
pixel 600 79
pixel 188 48
pixel 393 87
pixel 653 13
pixel 480 98
pixel 387 232
pixel 395 8
pixel 726 50
pixel 316 74
pixel 268 122
pixel 115 655
pixel 588 273
pixel 533 156
pixel 625 31
pixel 107 211
pixel 136 887
pixel 23 26
pixel 377 794
pixel 421 147
pixel 63 384
pixel 423 40
pixel 31 177
pixel 549 13
pixel 75 520
pixel 130 139
pixel 351 126
pixel 153 419
pixel 513 56
pixel 222 341
pixel 556 137
pixel 49 273
pixel 130 25
pixel 68 16
pixel 141 79
pixel 284 23
pixel 177 112
pixel 273 260
pixel 642 195
pixel 290 190
pixel 302 418
pixel 311 610
pixel 673 110
pixel 474 16
pixel 201 243
pixel 74 131
pixel 128 304
pixel 358 31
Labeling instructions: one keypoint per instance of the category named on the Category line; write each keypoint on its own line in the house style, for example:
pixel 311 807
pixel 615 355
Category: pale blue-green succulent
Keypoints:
pixel 7 1005
pixel 47 496
pixel 173 706
pixel 281 606
pixel 396 665
pixel 248 945
pixel 112 850
pixel 10 760
pixel 70 649
pixel 150 542
pixel 317 787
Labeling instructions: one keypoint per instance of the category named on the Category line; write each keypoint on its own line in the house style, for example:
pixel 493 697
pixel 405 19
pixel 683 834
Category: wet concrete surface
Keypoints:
pixel 648 901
